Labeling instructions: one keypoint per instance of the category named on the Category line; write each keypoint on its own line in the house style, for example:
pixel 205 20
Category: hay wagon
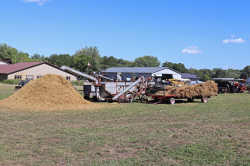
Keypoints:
pixel 165 93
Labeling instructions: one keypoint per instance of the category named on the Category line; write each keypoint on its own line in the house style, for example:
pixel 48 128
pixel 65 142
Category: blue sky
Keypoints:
pixel 198 33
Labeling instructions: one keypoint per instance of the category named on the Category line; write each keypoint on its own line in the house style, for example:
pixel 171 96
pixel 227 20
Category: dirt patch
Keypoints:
pixel 51 92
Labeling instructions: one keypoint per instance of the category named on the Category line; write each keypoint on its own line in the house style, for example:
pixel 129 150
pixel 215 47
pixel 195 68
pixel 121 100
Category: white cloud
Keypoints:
pixel 233 40
pixel 191 50
pixel 39 2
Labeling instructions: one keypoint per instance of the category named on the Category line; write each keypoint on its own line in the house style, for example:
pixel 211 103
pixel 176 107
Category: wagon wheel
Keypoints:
pixel 190 100
pixel 204 99
pixel 131 99
pixel 172 101
pixel 119 100
pixel 143 98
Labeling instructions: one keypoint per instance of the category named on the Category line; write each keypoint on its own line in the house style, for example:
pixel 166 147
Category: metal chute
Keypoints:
pixel 71 70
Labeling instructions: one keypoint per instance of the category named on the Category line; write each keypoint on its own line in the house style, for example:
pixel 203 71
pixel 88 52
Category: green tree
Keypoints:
pixel 205 74
pixel 87 59
pixel 233 73
pixel 146 61
pixel 22 57
pixel 218 73
pixel 245 73
pixel 38 57
pixel 180 67
pixel 81 62
pixel 7 52
pixel 61 60
pixel 111 61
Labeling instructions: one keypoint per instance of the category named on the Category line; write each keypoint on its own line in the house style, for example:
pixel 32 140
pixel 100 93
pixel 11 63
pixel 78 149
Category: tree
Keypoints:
pixel 61 60
pixel 233 73
pixel 180 67
pixel 245 73
pixel 205 74
pixel 111 61
pixel 38 57
pixel 7 52
pixel 22 57
pixel 81 62
pixel 218 73
pixel 146 61
pixel 87 59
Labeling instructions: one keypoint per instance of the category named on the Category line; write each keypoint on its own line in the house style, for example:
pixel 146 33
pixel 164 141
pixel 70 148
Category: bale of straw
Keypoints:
pixel 206 89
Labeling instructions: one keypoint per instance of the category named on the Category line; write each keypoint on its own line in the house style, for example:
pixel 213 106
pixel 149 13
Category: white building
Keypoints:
pixel 129 72
pixel 3 63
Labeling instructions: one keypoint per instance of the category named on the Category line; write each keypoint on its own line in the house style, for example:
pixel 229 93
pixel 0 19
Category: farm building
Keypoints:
pixel 3 63
pixel 189 76
pixel 126 73
pixel 31 70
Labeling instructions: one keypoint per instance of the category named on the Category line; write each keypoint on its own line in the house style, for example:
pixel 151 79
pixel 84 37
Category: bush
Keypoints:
pixel 77 83
pixel 248 87
pixel 12 82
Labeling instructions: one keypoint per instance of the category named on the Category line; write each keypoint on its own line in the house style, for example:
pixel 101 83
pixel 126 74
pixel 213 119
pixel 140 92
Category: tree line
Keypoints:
pixel 89 60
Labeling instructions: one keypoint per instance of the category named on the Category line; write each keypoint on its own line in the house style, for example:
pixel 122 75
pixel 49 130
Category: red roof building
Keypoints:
pixel 31 70
pixel 12 68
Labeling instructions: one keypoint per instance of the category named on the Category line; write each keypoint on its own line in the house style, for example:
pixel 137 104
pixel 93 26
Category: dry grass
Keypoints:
pixel 217 133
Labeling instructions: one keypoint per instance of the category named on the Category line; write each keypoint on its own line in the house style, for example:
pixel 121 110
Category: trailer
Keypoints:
pixel 172 98
pixel 162 91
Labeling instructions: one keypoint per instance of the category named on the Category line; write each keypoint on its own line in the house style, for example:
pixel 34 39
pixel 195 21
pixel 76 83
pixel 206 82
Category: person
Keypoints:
pixel 119 77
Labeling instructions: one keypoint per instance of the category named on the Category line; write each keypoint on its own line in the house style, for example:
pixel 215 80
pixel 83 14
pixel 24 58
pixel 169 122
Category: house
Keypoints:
pixel 31 70
pixel 189 76
pixel 126 73
pixel 5 61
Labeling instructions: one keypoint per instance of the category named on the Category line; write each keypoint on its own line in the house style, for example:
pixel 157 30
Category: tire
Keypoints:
pixel 131 100
pixel 235 90
pixel 143 99
pixel 190 100
pixel 204 100
pixel 172 101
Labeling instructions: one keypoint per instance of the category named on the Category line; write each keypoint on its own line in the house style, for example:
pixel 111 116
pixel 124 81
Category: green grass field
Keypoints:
pixel 216 133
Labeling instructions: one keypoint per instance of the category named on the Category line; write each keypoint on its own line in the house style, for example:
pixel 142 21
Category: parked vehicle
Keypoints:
pixel 231 85
pixel 21 84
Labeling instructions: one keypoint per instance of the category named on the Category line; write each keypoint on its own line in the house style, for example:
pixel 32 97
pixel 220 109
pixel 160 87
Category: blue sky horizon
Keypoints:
pixel 200 34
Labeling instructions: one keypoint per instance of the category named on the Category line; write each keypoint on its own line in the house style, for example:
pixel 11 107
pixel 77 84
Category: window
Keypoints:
pixel 68 78
pixel 29 77
pixel 18 77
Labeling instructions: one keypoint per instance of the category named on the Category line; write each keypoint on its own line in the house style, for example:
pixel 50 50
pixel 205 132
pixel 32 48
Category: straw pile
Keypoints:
pixel 50 92
pixel 206 89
